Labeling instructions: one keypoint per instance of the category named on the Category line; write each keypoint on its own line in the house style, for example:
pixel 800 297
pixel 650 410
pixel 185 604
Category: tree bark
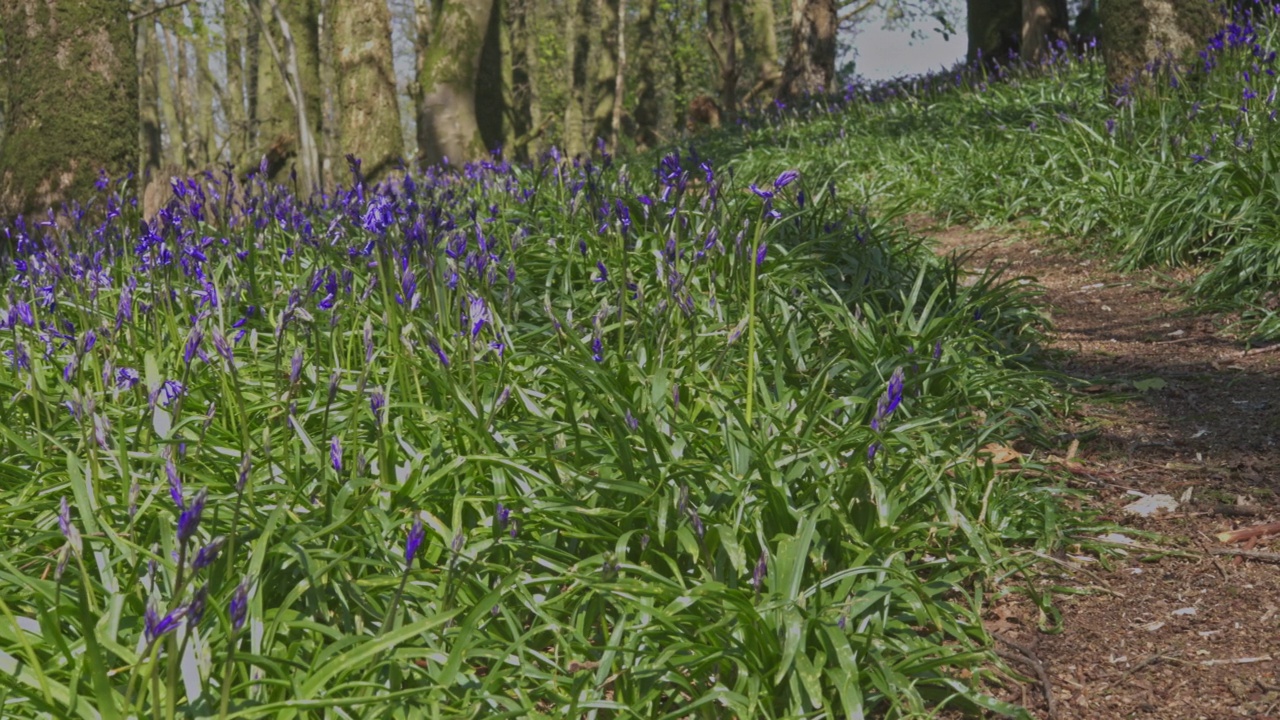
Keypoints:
pixel 1137 32
pixel 288 108
pixel 234 105
pixel 606 69
pixel 149 129
pixel 519 77
pixel 722 35
pixel 994 29
pixel 1044 23
pixel 369 118
pixel 811 59
pixel 764 46
pixel 206 141
pixel 74 91
pixel 619 94
pixel 648 107
pixel 579 45
pixel 449 67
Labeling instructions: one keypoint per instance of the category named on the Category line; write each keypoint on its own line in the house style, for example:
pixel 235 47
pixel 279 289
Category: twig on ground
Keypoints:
pixel 1249 533
pixel 1149 661
pixel 1248 554
pixel 1029 657
pixel 1254 351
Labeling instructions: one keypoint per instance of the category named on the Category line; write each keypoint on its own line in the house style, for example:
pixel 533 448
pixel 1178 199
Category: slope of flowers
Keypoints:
pixel 1178 169
pixel 580 438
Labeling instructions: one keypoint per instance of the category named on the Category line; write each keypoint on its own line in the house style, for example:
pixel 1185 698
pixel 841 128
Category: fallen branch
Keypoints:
pixel 1028 656
pixel 1255 351
pixel 1236 661
pixel 1249 533
pixel 1248 554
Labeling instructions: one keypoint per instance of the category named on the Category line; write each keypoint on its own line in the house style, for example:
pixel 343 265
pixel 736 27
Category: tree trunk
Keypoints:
pixel 1136 32
pixel 811 60
pixel 764 46
pixel 288 108
pixel 175 153
pixel 995 30
pixel 449 68
pixel 519 77
pixel 1044 23
pixel 491 108
pixel 648 107
pixel 149 130
pixel 722 36
pixel 234 105
pixel 606 69
pixel 369 116
pixel 206 141
pixel 73 83
pixel 579 52
pixel 619 94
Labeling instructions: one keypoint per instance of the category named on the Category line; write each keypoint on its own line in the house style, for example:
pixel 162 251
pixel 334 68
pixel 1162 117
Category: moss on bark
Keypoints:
pixel 1138 32
pixel 370 118
pixel 74 100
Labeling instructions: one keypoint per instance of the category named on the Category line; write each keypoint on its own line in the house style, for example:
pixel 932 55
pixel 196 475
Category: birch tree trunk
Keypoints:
pixel 67 120
pixel 764 45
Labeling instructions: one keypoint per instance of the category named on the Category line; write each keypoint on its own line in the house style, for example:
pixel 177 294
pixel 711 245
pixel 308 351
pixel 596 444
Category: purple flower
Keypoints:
pixel 239 605
pixel 604 273
pixel 439 351
pixel 189 520
pixel 762 194
pixel 295 367
pixel 503 516
pixel 376 402
pixel 208 554
pixel 413 542
pixel 786 178
pixel 155 626
pixel 69 531
pixel 477 314
pixel 760 253
pixel 175 482
pixel 195 610
pixel 762 569
pixel 335 453
pixel 192 347
pixel 127 378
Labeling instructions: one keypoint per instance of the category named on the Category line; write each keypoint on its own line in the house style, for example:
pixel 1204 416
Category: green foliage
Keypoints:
pixel 668 552
pixel 1182 173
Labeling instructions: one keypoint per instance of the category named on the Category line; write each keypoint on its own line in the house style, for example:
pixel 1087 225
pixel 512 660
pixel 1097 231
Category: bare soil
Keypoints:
pixel 1165 401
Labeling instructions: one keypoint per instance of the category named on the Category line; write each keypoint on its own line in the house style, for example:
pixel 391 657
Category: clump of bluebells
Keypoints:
pixel 375 440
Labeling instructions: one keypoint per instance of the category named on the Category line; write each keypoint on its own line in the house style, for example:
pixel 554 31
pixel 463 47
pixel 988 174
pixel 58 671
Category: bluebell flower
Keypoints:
pixel 195 609
pixel 335 453
pixel 604 273
pixel 413 542
pixel 155 626
pixel 238 608
pixel 207 554
pixel 175 483
pixel 786 178
pixel 189 520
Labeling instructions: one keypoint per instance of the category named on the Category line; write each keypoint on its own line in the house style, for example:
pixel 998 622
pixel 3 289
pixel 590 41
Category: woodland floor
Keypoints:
pixel 1167 402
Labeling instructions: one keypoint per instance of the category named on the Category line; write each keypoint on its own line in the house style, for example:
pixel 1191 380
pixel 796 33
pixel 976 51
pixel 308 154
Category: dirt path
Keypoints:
pixel 1168 405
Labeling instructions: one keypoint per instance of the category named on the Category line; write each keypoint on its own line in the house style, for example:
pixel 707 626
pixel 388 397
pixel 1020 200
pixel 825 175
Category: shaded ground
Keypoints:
pixel 1170 404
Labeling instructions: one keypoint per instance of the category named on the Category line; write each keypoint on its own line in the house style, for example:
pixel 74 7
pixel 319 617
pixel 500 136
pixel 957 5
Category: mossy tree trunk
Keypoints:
pixel 369 118
pixel 811 59
pixel 648 60
pixel 994 29
pixel 1138 32
pixel 74 92
pixel 578 41
pixel 449 67
pixel 722 36
pixel 519 78
pixel 604 83
pixel 1044 23
pixel 287 110
pixel 149 131
pixel 764 49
